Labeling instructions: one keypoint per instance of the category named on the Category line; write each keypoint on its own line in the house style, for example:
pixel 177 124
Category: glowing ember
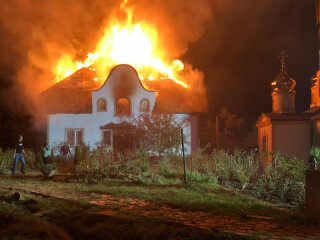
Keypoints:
pixel 134 44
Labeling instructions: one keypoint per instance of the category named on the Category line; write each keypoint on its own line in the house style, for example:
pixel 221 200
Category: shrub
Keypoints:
pixel 30 158
pixel 95 163
pixel 284 180
pixel 165 172
pixel 201 178
pixel 85 152
pixel 6 158
pixel 144 168
pixel 174 161
pixel 138 159
pixel 199 161
pixel 77 155
pixel 315 155
pixel 143 156
pixel 38 163
pixel 48 169
pixel 196 177
pixel 160 133
pixel 223 165
pixel 245 168
pixel 52 157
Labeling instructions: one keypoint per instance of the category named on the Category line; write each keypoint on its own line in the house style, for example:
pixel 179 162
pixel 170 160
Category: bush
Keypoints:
pixel 174 161
pixel 239 167
pixel 244 168
pixel 284 180
pixel 222 162
pixel 85 152
pixel 38 160
pixel 200 162
pixel 77 155
pixel 201 178
pixel 144 168
pixel 6 158
pixel 52 158
pixel 315 155
pixel 160 133
pixel 139 159
pixel 29 158
pixel 165 172
pixel 49 169
pixel 142 154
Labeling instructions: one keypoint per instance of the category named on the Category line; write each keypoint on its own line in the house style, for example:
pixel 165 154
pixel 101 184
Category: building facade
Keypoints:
pixel 284 130
pixel 104 114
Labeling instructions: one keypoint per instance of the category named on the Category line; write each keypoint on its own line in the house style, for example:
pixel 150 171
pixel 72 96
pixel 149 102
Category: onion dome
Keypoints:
pixel 314 82
pixel 283 82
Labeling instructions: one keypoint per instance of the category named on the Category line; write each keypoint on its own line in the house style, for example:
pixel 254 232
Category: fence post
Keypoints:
pixel 184 158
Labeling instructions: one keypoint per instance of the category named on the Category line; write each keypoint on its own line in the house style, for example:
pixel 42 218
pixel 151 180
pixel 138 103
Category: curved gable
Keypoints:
pixel 117 73
pixel 123 82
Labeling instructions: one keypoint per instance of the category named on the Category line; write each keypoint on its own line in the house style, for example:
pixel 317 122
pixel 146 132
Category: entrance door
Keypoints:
pixel 123 141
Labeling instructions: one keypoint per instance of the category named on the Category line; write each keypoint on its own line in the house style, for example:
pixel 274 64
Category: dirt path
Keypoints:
pixel 112 205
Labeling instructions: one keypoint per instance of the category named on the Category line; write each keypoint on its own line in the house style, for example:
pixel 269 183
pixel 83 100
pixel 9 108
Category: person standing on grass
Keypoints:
pixel 46 153
pixel 18 155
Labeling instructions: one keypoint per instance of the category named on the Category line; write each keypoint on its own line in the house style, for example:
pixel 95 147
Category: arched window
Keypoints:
pixel 145 105
pixel 101 105
pixel 264 145
pixel 123 107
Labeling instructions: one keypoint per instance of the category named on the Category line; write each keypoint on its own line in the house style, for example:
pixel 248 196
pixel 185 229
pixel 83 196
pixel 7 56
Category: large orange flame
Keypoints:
pixel 135 44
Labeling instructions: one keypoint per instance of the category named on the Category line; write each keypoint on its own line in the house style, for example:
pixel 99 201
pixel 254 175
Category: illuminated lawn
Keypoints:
pixel 205 197
pixel 71 220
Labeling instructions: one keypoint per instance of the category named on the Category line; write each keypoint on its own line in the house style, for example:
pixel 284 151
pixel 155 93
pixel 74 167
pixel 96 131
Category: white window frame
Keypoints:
pixel 116 108
pixel 148 104
pixel 74 135
pixel 111 136
pixel 106 105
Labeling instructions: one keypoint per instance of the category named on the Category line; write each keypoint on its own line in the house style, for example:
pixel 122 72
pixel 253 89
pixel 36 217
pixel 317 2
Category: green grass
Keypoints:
pixel 73 220
pixel 204 197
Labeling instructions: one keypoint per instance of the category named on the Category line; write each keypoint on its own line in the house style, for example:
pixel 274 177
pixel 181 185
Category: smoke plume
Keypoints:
pixel 38 32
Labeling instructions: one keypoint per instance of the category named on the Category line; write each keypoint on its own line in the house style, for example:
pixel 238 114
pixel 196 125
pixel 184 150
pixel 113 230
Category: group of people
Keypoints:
pixel 19 154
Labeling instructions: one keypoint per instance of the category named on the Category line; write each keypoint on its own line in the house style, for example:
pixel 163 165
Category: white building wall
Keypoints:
pixel 106 92
pixel 292 138
pixel 91 123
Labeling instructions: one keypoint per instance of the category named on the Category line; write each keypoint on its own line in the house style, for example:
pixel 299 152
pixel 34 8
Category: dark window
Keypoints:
pixel 70 137
pixel 106 137
pixel 123 107
pixel 79 137
pixel 74 136
pixel 144 105
pixel 101 105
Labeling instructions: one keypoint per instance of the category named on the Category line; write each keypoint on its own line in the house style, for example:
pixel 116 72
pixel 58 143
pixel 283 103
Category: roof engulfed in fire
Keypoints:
pixel 73 95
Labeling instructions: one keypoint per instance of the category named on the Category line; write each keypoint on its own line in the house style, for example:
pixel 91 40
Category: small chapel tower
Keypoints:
pixel 283 92
pixel 283 130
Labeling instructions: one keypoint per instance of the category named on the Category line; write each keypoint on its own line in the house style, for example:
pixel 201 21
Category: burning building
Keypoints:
pixel 82 111
pixel 130 71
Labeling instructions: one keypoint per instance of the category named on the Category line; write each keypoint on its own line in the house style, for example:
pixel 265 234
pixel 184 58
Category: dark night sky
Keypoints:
pixel 247 40
pixel 238 53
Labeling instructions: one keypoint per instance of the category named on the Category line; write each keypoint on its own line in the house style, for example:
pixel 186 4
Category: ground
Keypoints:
pixel 115 209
